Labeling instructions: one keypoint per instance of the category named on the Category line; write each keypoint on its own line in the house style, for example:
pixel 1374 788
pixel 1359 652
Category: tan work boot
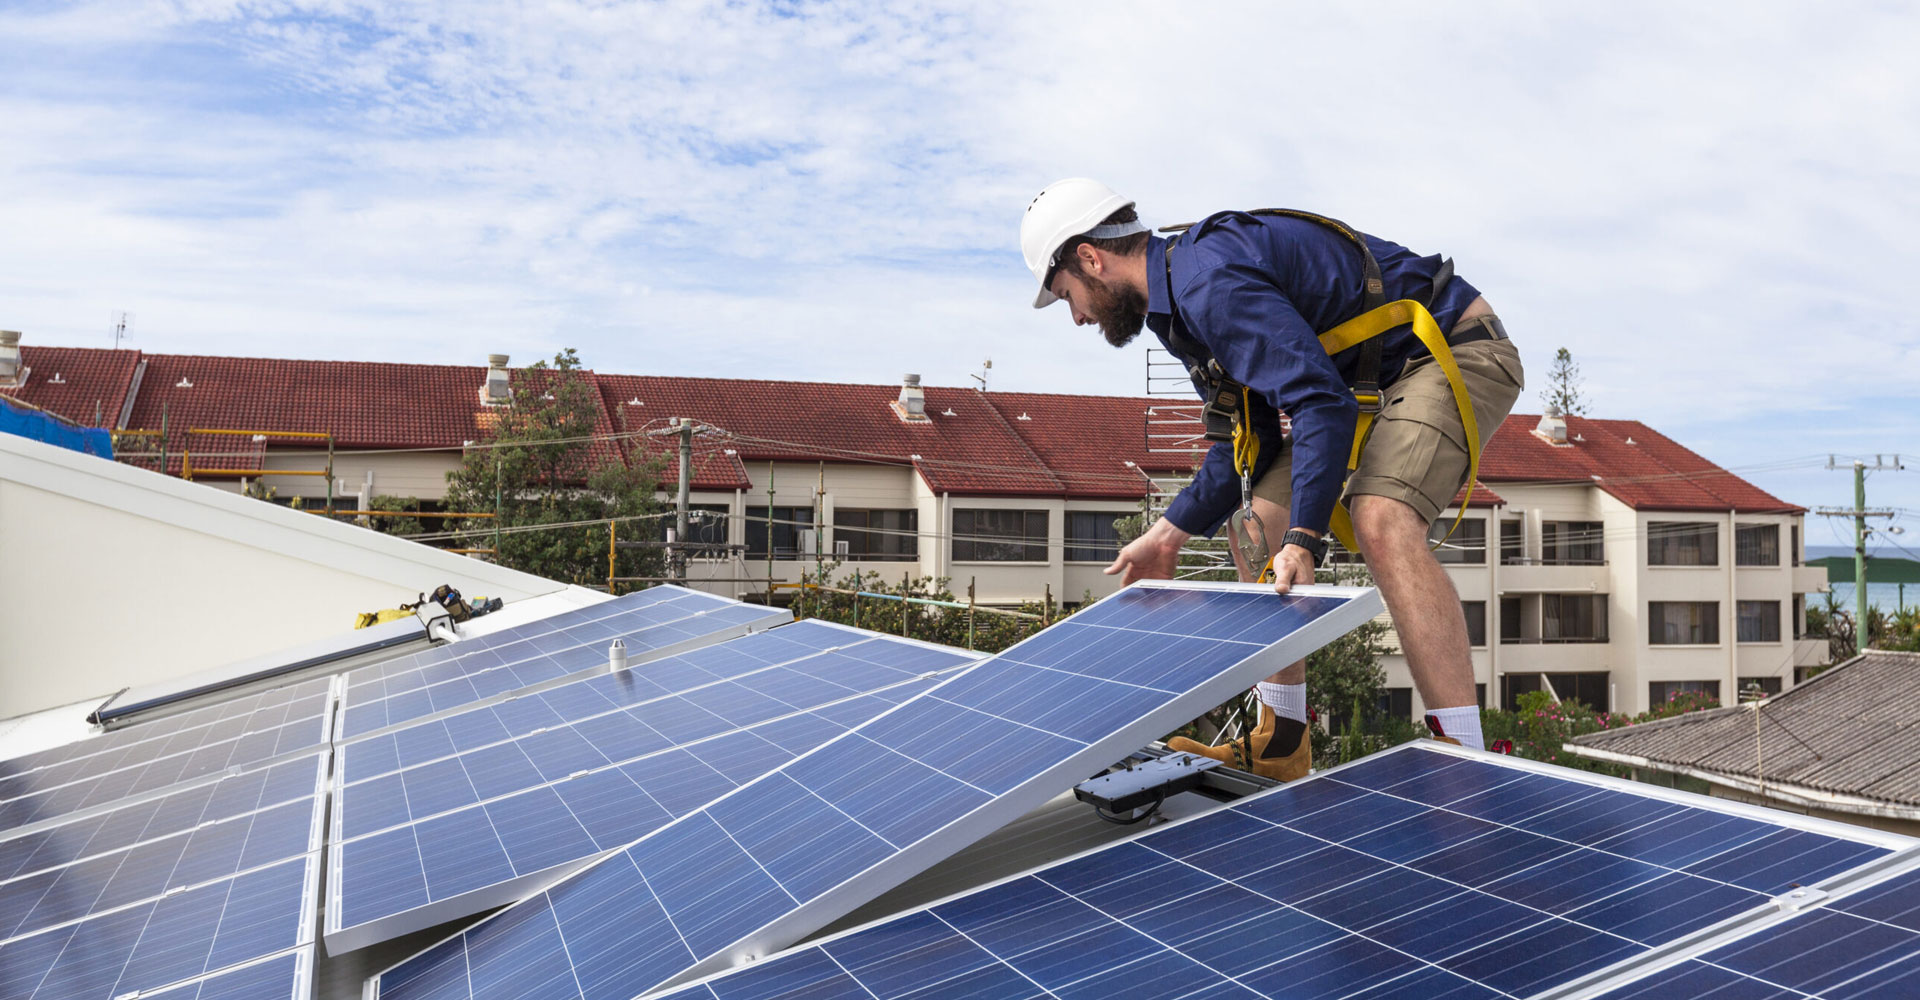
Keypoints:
pixel 1294 765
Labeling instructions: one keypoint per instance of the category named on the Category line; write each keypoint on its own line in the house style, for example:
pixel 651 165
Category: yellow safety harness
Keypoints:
pixel 1247 532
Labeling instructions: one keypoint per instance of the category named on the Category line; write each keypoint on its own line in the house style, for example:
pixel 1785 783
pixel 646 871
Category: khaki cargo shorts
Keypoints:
pixel 1417 451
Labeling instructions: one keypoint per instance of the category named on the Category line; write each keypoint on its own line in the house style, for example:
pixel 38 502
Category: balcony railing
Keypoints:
pixel 1534 640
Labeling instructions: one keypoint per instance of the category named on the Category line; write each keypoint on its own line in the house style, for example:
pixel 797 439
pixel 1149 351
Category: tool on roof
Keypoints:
pixel 444 605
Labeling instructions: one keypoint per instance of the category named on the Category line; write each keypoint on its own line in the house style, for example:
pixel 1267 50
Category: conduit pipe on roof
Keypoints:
pixel 1793 794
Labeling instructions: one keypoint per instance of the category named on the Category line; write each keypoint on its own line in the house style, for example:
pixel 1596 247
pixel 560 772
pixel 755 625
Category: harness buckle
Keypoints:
pixel 1222 412
pixel 1370 402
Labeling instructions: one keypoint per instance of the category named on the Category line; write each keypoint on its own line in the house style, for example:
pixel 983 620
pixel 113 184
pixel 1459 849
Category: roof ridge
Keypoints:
pixel 1026 448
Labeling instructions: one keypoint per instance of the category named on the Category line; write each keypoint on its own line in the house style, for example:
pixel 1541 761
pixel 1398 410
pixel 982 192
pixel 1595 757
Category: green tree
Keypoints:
pixel 1564 385
pixel 539 465
pixel 402 526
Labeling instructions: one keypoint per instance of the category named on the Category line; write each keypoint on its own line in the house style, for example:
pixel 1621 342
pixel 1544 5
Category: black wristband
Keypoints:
pixel 1316 547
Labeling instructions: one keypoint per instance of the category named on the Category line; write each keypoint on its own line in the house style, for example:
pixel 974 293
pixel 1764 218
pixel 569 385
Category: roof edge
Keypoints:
pixel 1788 792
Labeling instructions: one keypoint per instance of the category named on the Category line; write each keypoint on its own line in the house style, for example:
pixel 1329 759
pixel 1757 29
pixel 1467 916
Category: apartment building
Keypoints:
pixel 1598 558
pixel 1606 562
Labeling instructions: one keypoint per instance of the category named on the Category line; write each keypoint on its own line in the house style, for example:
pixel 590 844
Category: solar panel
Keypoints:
pixel 155 767
pixel 105 879
pixel 1425 871
pixel 483 826
pixel 282 977
pixel 72 839
pixel 652 623
pixel 143 744
pixel 790 851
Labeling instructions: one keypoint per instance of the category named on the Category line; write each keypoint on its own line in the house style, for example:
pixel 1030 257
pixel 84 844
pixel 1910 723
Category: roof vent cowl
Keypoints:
pixel 1552 427
pixel 911 406
pixel 12 372
pixel 497 390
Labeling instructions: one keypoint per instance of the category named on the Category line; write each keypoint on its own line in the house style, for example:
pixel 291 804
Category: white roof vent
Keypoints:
pixel 1023 416
pixel 184 383
pixel 13 373
pixel 57 379
pixel 911 406
pixel 497 390
pixel 1552 427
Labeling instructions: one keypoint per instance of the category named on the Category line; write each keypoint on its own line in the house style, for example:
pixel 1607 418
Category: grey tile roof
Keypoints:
pixel 1853 731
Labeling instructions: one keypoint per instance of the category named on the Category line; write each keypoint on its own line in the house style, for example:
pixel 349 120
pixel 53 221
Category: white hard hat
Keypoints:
pixel 1063 210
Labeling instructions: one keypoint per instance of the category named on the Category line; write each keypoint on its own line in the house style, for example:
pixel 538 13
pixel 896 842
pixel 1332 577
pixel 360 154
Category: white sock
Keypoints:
pixel 1288 701
pixel 1461 723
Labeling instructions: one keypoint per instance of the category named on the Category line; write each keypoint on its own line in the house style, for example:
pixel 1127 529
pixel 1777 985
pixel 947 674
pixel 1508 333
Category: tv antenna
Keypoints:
pixel 121 320
pixel 985 367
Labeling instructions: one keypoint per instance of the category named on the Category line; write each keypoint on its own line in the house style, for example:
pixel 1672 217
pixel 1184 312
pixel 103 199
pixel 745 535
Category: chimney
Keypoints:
pixel 12 373
pixel 1552 427
pixel 497 390
pixel 912 404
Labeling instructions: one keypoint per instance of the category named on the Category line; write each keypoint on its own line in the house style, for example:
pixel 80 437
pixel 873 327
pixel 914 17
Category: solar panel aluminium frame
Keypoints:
pixel 329 721
pixel 133 705
pixel 303 984
pixel 774 618
pixel 1361 604
pixel 340 940
pixel 1905 858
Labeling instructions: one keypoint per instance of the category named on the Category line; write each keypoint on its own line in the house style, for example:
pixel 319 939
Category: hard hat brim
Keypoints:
pixel 1044 299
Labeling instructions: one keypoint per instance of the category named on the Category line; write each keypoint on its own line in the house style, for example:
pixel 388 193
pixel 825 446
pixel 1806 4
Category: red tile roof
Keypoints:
pixel 1638 465
pixel 1001 443
pixel 86 385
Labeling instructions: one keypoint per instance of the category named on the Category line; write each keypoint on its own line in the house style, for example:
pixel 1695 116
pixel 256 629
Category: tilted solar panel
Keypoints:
pixel 1422 872
pixel 282 977
pixel 233 717
pixel 791 851
pixel 541 654
pixel 151 772
pixel 255 728
pixel 488 824
pixel 59 843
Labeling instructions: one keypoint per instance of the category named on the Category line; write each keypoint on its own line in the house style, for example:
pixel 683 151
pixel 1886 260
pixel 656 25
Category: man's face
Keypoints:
pixel 1120 312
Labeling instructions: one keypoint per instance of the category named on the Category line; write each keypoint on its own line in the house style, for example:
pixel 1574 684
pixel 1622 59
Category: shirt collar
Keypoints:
pixel 1159 295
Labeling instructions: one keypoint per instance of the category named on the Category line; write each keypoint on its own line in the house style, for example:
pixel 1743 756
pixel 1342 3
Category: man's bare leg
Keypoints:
pixel 1274 518
pixel 1422 599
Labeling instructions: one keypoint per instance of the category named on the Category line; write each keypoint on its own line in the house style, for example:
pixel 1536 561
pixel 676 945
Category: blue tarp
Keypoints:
pixel 43 427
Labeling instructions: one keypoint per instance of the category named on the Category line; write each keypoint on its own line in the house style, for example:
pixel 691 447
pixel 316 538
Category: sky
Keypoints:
pixel 1712 206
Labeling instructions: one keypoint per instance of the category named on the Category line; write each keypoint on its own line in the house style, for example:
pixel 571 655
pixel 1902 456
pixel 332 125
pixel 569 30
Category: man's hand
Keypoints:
pixel 1293 565
pixel 1153 556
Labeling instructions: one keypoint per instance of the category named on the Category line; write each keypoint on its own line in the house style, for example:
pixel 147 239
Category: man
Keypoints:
pixel 1251 291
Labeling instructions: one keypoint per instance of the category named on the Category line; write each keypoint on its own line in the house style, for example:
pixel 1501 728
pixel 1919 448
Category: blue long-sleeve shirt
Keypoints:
pixel 1257 290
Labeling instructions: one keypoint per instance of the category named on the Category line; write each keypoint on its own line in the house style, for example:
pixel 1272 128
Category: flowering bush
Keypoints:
pixel 1540 728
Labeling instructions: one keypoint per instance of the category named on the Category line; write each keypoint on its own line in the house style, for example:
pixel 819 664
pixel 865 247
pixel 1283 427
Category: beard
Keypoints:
pixel 1120 314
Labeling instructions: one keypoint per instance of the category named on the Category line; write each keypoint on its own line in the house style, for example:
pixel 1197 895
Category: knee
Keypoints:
pixel 1388 531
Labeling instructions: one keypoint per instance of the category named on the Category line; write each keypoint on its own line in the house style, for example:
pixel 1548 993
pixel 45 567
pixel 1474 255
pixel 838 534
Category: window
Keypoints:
pixel 1397 702
pixel 785 525
pixel 1480 696
pixel 1661 692
pixel 1793 533
pixel 1513 542
pixel 876 535
pixel 1467 546
pixel 1799 616
pixel 1476 614
pixel 706 526
pixel 1091 536
pixel 1510 630
pixel 1757 621
pixel 1573 617
pixel 1766 686
pixel 999 536
pixel 1572 543
pixel 1592 689
pixel 1683 623
pixel 1682 543
pixel 1756 545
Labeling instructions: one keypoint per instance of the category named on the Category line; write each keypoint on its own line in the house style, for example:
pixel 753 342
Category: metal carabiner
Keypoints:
pixel 1249 537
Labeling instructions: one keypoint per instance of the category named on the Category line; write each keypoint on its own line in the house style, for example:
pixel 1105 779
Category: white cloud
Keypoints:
pixel 1711 206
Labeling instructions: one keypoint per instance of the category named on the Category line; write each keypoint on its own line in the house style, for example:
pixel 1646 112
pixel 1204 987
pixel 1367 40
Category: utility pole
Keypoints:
pixel 1859 512
pixel 684 428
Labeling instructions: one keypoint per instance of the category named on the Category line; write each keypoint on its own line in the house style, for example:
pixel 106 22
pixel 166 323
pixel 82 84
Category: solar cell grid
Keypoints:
pixel 284 977
pixel 1862 946
pixel 798 847
pixel 417 847
pixel 1354 883
pixel 114 788
pixel 167 940
pixel 546 660
pixel 127 748
pixel 116 739
pixel 580 700
pixel 89 836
